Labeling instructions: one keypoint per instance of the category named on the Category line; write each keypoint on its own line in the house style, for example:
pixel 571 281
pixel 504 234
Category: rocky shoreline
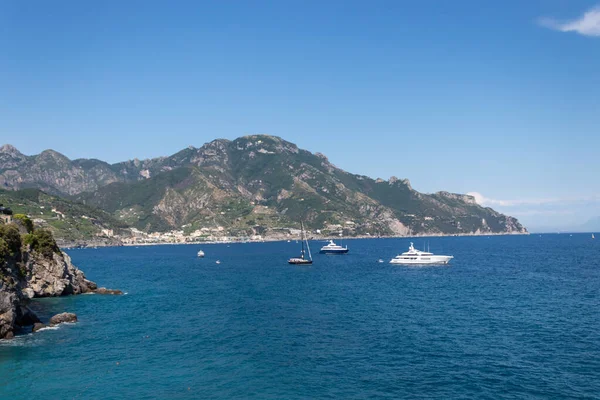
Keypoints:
pixel 27 273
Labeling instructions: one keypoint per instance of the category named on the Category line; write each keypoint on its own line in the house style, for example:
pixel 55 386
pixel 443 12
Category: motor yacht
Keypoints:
pixel 332 248
pixel 418 257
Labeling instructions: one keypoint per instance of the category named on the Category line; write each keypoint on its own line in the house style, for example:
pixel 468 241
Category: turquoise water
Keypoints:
pixel 511 317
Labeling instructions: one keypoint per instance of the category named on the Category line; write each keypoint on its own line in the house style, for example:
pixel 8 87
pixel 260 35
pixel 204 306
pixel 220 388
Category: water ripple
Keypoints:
pixel 511 317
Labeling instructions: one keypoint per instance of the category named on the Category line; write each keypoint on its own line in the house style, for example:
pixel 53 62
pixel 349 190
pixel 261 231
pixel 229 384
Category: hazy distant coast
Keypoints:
pixel 100 243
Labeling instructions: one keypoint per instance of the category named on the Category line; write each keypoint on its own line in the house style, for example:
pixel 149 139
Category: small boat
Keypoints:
pixel 593 236
pixel 218 261
pixel 302 260
pixel 332 248
pixel 200 254
pixel 418 257
pixel 380 261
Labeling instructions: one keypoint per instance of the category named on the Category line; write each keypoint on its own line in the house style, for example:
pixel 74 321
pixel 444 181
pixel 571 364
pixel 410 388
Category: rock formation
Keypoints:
pixel 62 318
pixel 56 276
pixel 8 310
pixel 30 268
pixel 37 326
pixel 103 290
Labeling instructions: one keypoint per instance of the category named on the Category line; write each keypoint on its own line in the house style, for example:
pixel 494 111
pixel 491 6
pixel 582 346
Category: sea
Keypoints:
pixel 511 317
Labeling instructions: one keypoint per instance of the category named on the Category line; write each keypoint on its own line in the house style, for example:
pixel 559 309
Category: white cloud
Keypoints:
pixel 565 201
pixel 588 24
pixel 541 214
pixel 485 201
pixel 527 213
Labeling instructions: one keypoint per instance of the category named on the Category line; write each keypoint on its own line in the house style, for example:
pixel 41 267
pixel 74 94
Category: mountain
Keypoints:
pixel 52 172
pixel 251 185
pixel 70 222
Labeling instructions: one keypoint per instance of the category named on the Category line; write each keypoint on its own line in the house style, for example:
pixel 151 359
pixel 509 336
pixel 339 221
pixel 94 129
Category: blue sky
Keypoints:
pixel 498 98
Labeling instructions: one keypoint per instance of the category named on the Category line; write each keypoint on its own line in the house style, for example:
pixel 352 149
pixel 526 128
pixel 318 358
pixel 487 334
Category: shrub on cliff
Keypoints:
pixel 42 241
pixel 25 221
pixel 9 234
pixel 4 251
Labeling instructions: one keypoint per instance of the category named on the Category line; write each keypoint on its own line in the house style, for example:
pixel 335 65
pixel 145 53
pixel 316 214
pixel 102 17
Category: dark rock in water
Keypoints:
pixel 64 317
pixel 37 326
pixel 103 290
pixel 26 317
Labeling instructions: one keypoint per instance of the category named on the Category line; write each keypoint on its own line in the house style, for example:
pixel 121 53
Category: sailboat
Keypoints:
pixel 593 236
pixel 302 260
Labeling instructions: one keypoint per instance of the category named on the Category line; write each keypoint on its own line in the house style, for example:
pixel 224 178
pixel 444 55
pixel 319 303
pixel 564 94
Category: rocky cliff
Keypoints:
pixel 30 267
pixel 52 276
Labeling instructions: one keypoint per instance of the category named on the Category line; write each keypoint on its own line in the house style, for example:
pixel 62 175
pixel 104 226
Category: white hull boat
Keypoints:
pixel 418 257
pixel 333 248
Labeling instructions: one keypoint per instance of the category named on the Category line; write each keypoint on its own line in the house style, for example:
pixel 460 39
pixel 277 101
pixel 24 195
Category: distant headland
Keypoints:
pixel 252 188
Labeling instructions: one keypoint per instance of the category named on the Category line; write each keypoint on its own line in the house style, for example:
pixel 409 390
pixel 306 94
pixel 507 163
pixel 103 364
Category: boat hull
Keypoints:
pixel 432 260
pixel 298 261
pixel 341 251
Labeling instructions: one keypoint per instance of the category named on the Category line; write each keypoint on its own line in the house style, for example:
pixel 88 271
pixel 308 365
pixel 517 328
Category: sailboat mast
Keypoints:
pixel 308 247
pixel 302 237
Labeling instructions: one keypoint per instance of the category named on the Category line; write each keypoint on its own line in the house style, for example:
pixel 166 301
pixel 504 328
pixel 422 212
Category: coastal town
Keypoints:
pixel 136 237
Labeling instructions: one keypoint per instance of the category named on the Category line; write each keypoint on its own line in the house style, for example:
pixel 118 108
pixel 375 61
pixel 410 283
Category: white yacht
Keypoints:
pixel 332 248
pixel 418 257
pixel 200 254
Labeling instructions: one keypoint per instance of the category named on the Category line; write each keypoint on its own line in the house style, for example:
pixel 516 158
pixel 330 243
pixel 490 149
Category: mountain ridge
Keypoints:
pixel 247 186
pixel 94 162
pixel 148 162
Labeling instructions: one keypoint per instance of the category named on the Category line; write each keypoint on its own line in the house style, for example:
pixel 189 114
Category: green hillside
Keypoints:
pixel 259 183
pixel 68 220
pixel 254 185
